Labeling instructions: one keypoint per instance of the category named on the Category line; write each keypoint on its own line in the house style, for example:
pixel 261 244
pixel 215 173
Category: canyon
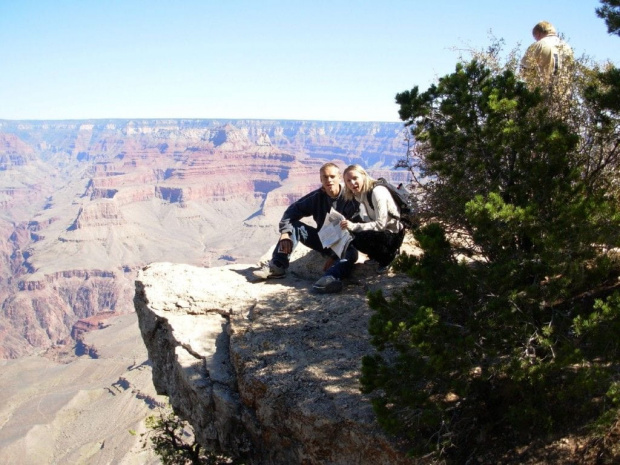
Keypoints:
pixel 84 206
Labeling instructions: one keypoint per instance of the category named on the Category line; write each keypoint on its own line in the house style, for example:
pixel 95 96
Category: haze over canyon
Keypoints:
pixel 84 204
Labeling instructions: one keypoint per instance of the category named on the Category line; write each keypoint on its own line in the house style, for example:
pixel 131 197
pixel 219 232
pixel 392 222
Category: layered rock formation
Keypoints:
pixel 267 371
pixel 84 204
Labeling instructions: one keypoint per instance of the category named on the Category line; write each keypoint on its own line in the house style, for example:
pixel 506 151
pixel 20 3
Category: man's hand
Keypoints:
pixel 285 244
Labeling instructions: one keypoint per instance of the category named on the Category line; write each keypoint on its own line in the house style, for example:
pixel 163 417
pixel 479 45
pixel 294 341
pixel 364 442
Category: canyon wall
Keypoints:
pixel 85 204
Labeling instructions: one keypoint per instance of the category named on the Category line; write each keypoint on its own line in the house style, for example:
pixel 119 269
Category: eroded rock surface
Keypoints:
pixel 266 370
pixel 57 408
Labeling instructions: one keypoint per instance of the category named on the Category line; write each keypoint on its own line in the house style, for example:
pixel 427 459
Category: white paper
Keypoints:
pixel 332 235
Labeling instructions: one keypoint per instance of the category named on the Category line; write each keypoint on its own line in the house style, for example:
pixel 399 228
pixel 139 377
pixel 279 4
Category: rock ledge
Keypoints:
pixel 268 371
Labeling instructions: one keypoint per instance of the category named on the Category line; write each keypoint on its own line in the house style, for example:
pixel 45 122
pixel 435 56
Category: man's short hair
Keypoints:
pixel 544 28
pixel 329 164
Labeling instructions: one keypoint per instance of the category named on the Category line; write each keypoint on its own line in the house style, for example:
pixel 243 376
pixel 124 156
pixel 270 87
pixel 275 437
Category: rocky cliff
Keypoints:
pixel 268 371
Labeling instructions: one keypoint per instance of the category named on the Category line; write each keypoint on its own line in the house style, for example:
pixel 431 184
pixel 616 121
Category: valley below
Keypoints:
pixel 60 408
pixel 84 205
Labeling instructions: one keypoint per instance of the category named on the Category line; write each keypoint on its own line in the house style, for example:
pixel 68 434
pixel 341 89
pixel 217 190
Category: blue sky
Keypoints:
pixel 271 59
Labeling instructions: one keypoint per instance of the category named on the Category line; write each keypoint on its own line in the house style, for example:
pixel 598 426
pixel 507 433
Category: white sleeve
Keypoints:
pixel 379 213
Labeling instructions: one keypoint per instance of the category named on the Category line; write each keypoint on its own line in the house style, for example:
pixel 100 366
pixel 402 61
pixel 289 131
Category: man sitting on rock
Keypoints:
pixel 316 204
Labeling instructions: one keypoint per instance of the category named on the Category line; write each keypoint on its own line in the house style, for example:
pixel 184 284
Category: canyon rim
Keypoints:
pixel 86 204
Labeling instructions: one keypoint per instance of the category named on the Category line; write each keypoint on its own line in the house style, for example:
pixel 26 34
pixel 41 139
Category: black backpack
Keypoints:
pixel 402 199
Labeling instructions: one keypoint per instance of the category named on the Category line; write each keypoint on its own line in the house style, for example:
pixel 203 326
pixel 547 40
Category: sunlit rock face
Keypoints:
pixel 85 204
pixel 267 371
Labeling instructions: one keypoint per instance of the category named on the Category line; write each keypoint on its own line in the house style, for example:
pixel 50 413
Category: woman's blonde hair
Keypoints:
pixel 367 185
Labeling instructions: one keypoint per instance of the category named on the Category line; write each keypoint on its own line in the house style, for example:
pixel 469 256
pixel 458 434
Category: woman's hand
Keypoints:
pixel 344 224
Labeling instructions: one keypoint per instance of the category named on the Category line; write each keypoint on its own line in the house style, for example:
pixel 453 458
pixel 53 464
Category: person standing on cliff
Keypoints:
pixel 316 204
pixel 548 56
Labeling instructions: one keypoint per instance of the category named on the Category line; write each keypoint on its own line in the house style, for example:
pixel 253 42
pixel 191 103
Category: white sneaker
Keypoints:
pixel 270 271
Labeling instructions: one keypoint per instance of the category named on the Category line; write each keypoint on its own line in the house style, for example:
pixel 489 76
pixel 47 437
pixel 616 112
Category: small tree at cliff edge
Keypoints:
pixel 174 442
pixel 523 335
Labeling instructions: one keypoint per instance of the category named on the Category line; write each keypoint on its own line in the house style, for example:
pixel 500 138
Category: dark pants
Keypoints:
pixel 382 246
pixel 309 236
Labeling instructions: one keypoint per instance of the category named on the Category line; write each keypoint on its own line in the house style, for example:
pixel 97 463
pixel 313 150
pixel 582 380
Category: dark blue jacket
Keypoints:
pixel 317 204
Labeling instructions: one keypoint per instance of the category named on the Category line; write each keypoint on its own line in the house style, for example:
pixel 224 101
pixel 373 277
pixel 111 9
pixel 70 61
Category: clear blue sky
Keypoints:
pixel 273 59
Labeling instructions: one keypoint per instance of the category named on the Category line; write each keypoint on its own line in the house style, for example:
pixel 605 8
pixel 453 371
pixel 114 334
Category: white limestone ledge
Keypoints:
pixel 266 370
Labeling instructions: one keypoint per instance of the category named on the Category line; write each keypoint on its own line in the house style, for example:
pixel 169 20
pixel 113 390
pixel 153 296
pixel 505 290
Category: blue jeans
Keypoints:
pixel 309 236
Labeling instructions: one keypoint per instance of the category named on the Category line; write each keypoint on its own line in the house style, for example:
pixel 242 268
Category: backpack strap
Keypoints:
pixel 369 198
pixel 380 182
pixel 369 193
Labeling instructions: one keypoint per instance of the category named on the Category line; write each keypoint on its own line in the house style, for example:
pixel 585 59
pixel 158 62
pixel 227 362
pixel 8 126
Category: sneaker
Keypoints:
pixel 327 285
pixel 382 269
pixel 270 271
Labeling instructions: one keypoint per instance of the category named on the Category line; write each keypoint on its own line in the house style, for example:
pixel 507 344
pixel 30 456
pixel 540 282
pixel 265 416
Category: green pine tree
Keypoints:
pixel 520 334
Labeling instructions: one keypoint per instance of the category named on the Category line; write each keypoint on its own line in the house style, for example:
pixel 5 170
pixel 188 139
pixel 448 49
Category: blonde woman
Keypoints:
pixel 380 234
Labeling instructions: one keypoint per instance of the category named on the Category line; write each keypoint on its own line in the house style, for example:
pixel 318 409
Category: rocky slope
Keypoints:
pixel 61 409
pixel 267 371
pixel 84 204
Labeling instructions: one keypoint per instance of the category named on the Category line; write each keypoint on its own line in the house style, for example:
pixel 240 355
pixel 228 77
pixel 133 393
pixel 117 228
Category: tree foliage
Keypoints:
pixel 520 180
pixel 173 441
pixel 610 12
pixel 609 97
